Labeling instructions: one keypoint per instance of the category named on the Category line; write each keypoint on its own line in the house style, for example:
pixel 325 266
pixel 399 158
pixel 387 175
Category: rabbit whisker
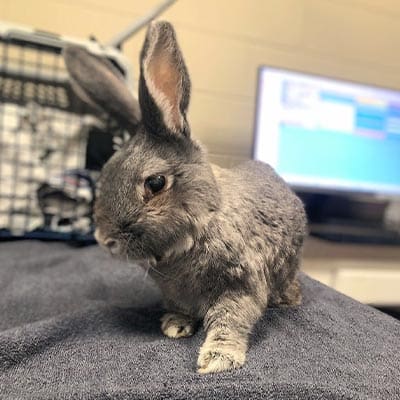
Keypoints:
pixel 161 273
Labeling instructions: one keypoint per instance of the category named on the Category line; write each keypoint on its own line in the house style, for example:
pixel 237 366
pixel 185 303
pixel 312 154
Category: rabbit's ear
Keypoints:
pixel 99 83
pixel 164 86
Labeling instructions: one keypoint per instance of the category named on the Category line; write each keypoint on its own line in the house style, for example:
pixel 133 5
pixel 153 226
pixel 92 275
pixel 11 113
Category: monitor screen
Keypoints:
pixel 323 134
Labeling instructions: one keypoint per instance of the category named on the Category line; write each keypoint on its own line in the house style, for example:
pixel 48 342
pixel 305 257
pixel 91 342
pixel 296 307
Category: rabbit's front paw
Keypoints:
pixel 218 358
pixel 177 325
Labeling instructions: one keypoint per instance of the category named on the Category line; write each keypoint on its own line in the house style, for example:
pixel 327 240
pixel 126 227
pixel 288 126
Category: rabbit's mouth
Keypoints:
pixel 123 248
pixel 113 246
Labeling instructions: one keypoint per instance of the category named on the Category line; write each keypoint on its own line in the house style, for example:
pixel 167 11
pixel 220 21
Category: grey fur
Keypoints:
pixel 99 83
pixel 222 244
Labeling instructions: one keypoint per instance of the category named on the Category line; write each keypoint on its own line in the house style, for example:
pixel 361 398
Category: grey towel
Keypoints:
pixel 77 325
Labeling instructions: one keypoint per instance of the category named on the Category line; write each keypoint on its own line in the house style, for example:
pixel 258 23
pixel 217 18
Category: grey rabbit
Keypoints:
pixel 221 244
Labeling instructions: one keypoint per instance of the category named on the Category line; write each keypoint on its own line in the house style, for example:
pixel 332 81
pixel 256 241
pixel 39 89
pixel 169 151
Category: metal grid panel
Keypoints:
pixel 45 189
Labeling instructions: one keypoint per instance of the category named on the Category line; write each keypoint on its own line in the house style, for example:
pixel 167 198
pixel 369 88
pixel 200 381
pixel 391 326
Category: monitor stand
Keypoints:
pixel 349 219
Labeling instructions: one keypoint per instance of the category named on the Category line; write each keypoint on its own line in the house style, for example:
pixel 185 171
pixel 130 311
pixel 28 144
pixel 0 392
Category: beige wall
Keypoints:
pixel 224 41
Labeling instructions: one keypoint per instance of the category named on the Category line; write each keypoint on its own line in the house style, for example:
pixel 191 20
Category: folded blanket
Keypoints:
pixel 76 324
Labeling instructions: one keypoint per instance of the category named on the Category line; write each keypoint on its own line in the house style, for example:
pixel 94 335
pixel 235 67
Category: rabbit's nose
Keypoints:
pixel 112 245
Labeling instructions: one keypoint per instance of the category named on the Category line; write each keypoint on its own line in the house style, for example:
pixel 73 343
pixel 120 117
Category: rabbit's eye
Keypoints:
pixel 155 183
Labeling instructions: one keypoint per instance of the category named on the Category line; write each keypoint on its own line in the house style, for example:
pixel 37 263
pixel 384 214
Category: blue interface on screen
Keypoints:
pixel 322 133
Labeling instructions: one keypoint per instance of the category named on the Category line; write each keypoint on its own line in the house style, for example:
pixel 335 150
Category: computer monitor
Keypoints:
pixel 323 135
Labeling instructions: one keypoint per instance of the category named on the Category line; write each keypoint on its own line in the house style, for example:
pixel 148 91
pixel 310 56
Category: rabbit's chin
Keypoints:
pixel 144 256
pixel 135 257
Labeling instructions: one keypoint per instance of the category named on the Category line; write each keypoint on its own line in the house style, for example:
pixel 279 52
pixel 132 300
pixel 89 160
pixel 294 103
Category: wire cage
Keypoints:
pixel 52 145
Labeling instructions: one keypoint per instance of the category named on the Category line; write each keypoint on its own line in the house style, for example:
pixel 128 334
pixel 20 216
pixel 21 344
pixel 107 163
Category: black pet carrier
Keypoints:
pixel 52 145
